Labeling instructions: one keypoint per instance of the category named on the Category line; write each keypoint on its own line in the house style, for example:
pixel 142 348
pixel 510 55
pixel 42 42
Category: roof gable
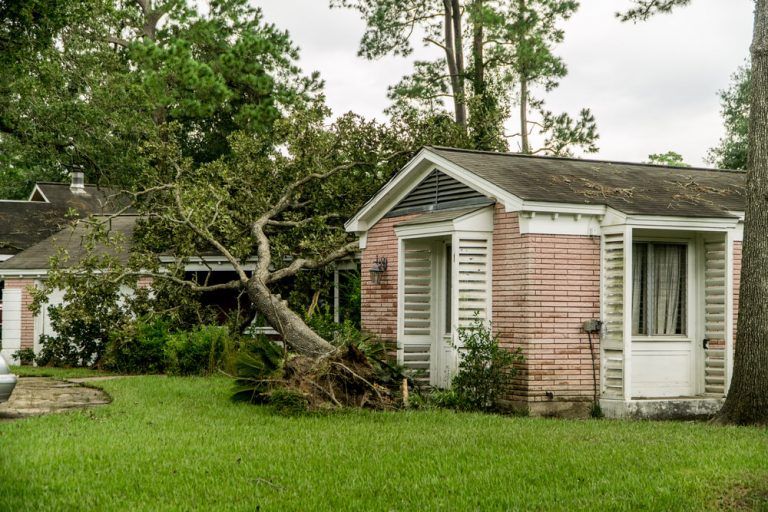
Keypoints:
pixel 438 191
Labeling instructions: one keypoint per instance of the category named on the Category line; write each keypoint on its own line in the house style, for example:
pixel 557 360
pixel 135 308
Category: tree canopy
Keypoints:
pixel 495 54
pixel 732 150
pixel 97 79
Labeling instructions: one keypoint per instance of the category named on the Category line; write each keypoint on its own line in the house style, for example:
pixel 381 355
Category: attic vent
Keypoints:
pixel 438 191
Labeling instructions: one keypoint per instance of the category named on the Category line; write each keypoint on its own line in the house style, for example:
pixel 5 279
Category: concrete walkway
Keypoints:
pixel 43 395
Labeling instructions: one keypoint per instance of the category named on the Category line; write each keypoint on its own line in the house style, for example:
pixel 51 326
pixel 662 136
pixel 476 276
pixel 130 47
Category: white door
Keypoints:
pixel 663 320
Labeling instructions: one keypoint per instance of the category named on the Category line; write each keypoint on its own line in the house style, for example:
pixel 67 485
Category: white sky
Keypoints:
pixel 652 86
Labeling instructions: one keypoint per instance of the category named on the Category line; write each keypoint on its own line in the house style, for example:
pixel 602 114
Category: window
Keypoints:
pixel 659 284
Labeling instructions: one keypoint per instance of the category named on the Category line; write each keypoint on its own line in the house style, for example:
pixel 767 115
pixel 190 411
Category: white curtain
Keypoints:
pixel 638 303
pixel 666 273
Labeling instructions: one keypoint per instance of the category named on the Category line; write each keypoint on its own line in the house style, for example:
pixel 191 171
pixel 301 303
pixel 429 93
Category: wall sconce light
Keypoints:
pixel 378 269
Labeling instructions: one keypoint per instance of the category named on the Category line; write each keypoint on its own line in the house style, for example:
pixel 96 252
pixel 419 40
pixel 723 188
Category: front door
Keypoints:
pixel 663 333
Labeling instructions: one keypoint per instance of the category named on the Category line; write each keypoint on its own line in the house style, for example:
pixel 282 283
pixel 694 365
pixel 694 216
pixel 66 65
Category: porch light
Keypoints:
pixel 378 269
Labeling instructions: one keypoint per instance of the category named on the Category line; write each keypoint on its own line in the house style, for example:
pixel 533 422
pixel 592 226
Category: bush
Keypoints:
pixel 199 352
pixel 58 351
pixel 26 356
pixel 258 366
pixel 139 347
pixel 485 369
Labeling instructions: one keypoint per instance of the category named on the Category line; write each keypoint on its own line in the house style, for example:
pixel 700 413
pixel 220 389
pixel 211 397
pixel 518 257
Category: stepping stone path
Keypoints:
pixel 42 395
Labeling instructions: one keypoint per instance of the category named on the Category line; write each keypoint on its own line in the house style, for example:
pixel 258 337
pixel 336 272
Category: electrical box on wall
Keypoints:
pixel 592 326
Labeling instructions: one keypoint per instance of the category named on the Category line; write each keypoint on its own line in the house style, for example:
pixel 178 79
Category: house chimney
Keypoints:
pixel 77 186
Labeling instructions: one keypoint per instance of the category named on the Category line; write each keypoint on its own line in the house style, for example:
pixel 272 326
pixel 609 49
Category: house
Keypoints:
pixel 541 247
pixel 25 224
pixel 34 231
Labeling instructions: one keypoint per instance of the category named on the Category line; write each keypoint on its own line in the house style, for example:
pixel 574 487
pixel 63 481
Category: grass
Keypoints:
pixel 57 373
pixel 179 444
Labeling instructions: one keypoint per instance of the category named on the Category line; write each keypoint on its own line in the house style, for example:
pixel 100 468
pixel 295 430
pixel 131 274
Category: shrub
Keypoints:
pixel 26 356
pixel 58 351
pixel 139 347
pixel 485 368
pixel 199 352
pixel 258 366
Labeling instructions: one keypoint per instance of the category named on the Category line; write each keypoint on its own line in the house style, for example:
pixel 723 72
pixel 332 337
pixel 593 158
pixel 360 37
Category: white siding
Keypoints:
pixel 11 341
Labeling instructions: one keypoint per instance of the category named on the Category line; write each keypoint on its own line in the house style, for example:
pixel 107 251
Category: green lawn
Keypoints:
pixel 58 373
pixel 178 444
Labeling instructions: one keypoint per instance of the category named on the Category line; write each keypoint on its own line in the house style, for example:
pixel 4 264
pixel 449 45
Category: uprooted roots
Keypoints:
pixel 345 378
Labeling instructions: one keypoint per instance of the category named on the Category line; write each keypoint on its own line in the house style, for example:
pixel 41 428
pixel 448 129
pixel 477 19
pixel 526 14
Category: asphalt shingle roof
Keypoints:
pixel 25 223
pixel 72 239
pixel 635 189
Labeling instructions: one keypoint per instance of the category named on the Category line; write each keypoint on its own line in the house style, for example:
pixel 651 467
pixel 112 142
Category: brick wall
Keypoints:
pixel 145 282
pixel 379 302
pixel 544 287
pixel 27 318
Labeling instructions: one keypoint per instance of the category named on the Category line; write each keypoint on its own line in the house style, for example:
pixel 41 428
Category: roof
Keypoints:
pixel 71 239
pixel 439 216
pixel 22 224
pixel 634 189
pixel 25 223
pixel 92 199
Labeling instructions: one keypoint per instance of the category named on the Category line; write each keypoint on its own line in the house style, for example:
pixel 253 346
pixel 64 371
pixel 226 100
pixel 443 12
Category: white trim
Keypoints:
pixel 37 189
pixel 627 306
pixel 35 273
pixel 480 220
pixel 410 176
pixel 6 257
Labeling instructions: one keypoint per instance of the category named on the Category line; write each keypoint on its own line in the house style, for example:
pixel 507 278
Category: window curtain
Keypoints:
pixel 666 275
pixel 638 288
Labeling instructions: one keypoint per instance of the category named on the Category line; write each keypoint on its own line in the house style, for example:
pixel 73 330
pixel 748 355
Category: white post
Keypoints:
pixel 627 307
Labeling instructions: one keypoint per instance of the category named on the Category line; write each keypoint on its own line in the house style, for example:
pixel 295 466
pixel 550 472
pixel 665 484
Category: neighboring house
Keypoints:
pixel 539 246
pixel 34 231
pixel 24 224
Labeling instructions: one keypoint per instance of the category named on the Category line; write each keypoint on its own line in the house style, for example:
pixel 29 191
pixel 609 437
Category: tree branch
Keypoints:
pixel 302 263
pixel 204 233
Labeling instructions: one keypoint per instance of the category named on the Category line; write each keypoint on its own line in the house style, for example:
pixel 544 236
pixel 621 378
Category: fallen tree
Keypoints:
pixel 271 210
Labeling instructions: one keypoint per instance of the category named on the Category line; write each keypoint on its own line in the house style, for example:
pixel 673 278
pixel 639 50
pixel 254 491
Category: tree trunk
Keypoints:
pixel 747 400
pixel 458 44
pixel 525 143
pixel 455 62
pixel 481 103
pixel 294 332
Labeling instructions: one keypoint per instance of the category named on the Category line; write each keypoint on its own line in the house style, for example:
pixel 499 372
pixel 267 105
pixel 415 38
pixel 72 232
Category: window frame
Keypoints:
pixel 691 276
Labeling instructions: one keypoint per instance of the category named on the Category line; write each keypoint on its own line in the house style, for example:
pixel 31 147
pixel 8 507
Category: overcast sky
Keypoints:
pixel 652 86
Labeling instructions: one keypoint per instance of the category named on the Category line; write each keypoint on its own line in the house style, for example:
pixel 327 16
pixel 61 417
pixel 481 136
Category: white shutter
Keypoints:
pixel 417 323
pixel 714 315
pixel 473 287
pixel 613 315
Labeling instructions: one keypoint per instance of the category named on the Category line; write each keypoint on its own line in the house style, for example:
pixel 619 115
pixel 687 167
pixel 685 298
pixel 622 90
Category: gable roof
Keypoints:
pixel 71 239
pixel 634 189
pixel 523 180
pixel 25 223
